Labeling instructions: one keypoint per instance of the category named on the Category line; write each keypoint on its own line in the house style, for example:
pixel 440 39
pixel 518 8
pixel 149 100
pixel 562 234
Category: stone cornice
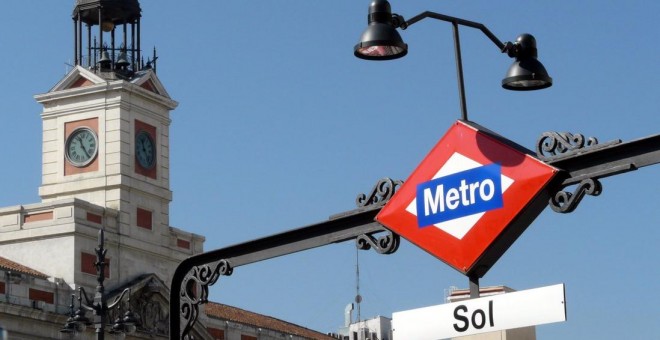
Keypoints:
pixel 117 85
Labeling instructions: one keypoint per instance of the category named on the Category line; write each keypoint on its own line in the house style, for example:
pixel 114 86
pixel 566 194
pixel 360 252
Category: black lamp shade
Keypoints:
pixel 526 73
pixel 380 41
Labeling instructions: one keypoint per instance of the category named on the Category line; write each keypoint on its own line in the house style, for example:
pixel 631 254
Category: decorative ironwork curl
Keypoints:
pixel 386 244
pixel 380 194
pixel 553 144
pixel 195 291
pixel 566 202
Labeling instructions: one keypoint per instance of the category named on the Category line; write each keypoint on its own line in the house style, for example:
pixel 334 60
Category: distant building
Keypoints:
pixel 106 166
pixel 377 328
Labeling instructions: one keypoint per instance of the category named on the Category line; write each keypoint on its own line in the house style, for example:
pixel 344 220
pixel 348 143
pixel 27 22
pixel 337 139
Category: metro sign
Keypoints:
pixel 470 198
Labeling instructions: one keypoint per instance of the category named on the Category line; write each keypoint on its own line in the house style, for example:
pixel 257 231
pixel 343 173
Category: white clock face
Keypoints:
pixel 145 150
pixel 81 147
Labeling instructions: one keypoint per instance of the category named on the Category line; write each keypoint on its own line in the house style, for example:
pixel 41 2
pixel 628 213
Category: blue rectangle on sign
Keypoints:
pixel 458 195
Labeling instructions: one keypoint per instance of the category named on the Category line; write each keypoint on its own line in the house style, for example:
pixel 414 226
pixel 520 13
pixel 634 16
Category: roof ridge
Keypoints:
pixel 10 265
pixel 215 311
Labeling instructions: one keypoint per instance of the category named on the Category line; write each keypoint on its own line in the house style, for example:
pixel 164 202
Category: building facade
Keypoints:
pixel 106 166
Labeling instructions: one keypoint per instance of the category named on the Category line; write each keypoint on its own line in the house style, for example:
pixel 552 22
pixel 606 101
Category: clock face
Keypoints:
pixel 145 150
pixel 81 147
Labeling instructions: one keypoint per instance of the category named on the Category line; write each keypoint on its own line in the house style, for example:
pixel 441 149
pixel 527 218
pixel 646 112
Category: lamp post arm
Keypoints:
pixel 457 21
pixel 457 46
pixel 88 304
pixel 119 298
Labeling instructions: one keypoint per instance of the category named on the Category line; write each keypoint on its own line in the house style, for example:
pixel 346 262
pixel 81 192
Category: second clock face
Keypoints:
pixel 81 147
pixel 145 150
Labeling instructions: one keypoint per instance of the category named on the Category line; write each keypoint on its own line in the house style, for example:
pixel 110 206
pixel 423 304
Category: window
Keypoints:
pixel 40 295
pixel 182 243
pixel 144 219
pixel 217 334
pixel 38 217
pixel 88 264
pixel 98 219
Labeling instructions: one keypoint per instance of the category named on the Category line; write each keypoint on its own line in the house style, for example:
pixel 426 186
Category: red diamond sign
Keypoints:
pixel 470 198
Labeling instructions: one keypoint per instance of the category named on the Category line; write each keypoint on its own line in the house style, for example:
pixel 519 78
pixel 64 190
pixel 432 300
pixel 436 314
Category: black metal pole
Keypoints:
pixel 474 286
pixel 89 45
pixel 100 50
pixel 100 306
pixel 75 41
pixel 125 43
pixel 459 72
pixel 136 67
pixel 139 47
pixel 79 52
pixel 458 21
pixel 457 47
pixel 112 44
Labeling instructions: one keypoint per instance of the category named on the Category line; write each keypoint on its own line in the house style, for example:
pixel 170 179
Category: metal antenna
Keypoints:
pixel 358 297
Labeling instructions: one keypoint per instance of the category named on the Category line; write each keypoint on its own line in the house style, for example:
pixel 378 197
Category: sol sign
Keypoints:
pixel 487 314
pixel 470 198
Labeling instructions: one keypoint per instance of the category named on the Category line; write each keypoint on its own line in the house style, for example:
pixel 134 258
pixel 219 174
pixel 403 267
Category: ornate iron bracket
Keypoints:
pixel 566 202
pixel 554 145
pixel 386 244
pixel 195 291
pixel 380 193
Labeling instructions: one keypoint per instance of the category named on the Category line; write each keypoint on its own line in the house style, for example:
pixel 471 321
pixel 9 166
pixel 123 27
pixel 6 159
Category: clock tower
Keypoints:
pixel 105 161
pixel 106 141
pixel 106 124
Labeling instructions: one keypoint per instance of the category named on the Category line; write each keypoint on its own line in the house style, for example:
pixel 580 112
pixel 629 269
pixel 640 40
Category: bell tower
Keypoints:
pixel 106 124
pixel 116 44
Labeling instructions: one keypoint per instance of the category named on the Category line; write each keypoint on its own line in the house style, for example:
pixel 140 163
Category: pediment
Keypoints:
pixel 149 302
pixel 78 77
pixel 150 82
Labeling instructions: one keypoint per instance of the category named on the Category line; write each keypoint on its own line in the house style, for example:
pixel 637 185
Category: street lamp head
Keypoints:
pixel 381 41
pixel 81 320
pixel 130 322
pixel 77 321
pixel 69 327
pixel 526 73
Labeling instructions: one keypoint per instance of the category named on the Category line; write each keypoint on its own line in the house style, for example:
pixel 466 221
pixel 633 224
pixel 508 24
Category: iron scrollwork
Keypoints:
pixel 380 193
pixel 386 244
pixel 566 202
pixel 195 291
pixel 554 145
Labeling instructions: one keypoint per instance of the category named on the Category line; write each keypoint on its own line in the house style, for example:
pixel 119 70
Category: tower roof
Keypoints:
pixel 116 11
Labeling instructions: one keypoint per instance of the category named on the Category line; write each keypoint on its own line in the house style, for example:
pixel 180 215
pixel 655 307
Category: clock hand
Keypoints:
pixel 82 145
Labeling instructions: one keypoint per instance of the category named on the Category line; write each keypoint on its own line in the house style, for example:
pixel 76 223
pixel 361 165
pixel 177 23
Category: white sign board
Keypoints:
pixel 487 314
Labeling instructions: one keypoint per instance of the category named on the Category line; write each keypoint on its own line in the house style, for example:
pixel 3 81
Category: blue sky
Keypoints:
pixel 279 126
